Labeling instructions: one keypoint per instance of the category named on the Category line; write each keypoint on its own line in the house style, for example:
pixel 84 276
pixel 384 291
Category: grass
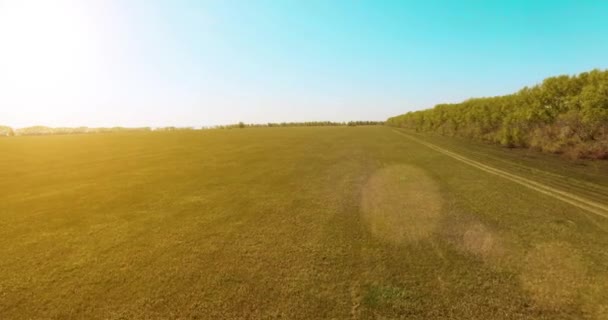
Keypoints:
pixel 296 223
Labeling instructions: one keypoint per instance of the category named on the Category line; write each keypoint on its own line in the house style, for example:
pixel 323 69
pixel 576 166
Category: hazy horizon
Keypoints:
pixel 190 63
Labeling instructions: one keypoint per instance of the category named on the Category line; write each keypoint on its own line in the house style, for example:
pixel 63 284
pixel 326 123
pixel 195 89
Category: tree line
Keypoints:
pixel 300 124
pixel 564 114
pixel 43 130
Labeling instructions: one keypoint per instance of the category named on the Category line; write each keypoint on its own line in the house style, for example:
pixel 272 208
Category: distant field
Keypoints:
pixel 296 223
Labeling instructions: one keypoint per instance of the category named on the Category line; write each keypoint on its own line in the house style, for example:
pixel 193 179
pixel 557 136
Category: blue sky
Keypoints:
pixel 193 63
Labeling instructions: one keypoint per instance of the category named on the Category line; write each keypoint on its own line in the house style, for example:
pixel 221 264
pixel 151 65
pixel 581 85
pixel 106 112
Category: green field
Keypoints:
pixel 296 223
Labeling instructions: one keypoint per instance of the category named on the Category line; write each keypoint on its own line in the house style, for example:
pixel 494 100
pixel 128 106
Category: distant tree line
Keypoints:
pixel 174 129
pixel 301 124
pixel 6 131
pixel 43 130
pixel 564 114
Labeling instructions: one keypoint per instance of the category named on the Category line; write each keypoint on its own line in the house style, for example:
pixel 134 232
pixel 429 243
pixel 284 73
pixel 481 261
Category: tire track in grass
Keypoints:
pixel 577 201
pixel 590 190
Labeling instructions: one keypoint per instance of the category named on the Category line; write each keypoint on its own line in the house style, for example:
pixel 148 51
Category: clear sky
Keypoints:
pixel 193 63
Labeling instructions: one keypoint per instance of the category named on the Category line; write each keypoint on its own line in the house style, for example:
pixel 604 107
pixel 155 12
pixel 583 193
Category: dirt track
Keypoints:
pixel 577 201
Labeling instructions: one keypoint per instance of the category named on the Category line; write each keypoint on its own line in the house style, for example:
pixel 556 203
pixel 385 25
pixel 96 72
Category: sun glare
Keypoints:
pixel 49 49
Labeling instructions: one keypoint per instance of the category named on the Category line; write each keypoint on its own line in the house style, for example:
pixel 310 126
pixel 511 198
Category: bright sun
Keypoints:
pixel 49 49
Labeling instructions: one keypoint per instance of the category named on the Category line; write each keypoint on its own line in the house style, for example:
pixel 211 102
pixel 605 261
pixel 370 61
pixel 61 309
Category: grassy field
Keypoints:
pixel 294 223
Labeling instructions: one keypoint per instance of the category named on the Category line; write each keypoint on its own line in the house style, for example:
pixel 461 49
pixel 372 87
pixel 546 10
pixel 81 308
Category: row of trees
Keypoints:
pixel 564 114
pixel 302 124
pixel 6 131
pixel 42 130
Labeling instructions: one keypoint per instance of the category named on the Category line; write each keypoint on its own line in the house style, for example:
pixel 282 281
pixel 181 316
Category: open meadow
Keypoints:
pixel 298 223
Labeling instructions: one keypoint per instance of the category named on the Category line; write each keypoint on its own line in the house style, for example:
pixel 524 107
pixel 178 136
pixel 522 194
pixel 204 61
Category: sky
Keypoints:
pixel 199 63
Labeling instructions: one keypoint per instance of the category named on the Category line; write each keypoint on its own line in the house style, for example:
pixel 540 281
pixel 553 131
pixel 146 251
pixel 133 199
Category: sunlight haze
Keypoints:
pixel 193 63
